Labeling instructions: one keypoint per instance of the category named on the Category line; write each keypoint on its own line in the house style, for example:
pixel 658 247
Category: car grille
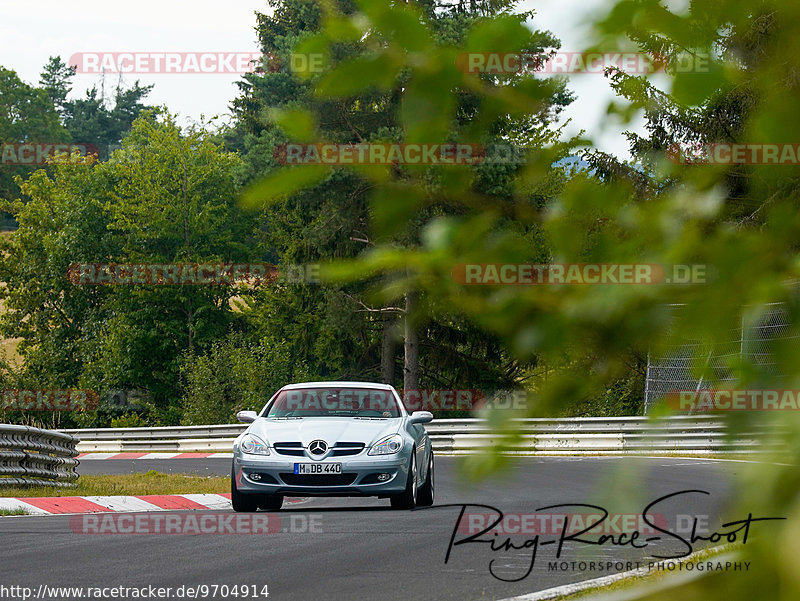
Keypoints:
pixel 343 449
pixel 340 449
pixel 295 449
pixel 318 479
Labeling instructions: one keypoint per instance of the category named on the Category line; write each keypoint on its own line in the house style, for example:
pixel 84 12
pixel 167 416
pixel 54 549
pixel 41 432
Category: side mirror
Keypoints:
pixel 421 417
pixel 247 417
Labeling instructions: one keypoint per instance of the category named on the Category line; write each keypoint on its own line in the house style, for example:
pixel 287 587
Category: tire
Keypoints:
pixel 240 501
pixel 425 493
pixel 408 498
pixel 270 502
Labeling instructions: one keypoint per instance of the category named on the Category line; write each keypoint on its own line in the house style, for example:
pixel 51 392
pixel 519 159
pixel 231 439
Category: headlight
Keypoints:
pixel 253 445
pixel 387 446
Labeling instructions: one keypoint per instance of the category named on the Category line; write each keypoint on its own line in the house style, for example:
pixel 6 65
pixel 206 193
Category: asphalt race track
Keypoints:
pixel 363 550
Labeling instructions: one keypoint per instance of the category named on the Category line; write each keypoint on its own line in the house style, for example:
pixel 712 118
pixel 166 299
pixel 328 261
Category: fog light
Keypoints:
pixel 383 477
pixel 255 477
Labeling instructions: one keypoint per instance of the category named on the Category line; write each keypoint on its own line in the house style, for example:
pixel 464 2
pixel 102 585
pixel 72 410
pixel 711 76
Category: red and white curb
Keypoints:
pixel 93 456
pixel 64 505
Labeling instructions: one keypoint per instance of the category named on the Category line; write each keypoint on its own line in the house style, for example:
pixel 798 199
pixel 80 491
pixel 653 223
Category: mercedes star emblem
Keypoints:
pixel 318 447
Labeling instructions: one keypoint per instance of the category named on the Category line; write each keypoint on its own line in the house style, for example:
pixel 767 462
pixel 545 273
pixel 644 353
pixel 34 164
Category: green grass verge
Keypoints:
pixel 13 512
pixel 149 483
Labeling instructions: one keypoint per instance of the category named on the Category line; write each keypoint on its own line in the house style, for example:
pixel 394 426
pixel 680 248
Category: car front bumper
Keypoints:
pixel 362 475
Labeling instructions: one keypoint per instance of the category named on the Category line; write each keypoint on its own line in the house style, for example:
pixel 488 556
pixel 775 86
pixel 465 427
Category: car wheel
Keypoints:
pixel 408 498
pixel 241 501
pixel 270 502
pixel 425 494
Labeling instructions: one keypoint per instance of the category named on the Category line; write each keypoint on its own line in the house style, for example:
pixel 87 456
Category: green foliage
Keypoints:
pixel 56 81
pixel 27 115
pixel 41 306
pixel 232 376
pixel 90 120
pixel 128 420
pixel 739 220
pixel 172 201
pixel 623 396
pixel 386 231
pixel 317 213
pixel 166 197
pixel 663 214
pixel 45 116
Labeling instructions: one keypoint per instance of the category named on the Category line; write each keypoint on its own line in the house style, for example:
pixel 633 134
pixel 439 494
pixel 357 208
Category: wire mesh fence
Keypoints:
pixel 683 364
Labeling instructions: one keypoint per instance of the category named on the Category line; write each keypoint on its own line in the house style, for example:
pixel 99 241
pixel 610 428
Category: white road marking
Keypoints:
pixel 211 501
pixel 120 504
pixel 12 504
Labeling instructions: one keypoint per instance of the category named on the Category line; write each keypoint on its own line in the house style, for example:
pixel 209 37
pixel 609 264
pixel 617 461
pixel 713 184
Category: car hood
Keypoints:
pixel 329 429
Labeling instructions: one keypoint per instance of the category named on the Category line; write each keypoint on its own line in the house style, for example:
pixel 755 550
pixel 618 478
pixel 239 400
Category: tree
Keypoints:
pixel 27 115
pixel 45 116
pixel 89 120
pixel 736 85
pixel 62 223
pixel 56 80
pixel 236 375
pixel 172 201
pixel 335 219
pixel 167 196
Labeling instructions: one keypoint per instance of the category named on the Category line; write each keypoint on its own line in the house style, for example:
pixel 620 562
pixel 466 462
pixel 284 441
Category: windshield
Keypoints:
pixel 334 402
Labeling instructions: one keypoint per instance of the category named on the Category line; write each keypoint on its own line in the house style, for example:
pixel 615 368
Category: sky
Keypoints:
pixel 33 31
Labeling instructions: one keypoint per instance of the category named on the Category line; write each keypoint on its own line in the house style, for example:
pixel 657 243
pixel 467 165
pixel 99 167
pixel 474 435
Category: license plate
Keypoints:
pixel 317 468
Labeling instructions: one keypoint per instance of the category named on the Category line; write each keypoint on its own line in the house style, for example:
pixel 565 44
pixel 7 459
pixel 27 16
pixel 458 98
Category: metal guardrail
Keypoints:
pixel 563 436
pixel 33 457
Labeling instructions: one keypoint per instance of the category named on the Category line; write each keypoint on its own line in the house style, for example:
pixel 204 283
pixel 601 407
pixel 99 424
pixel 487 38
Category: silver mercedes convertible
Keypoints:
pixel 333 439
